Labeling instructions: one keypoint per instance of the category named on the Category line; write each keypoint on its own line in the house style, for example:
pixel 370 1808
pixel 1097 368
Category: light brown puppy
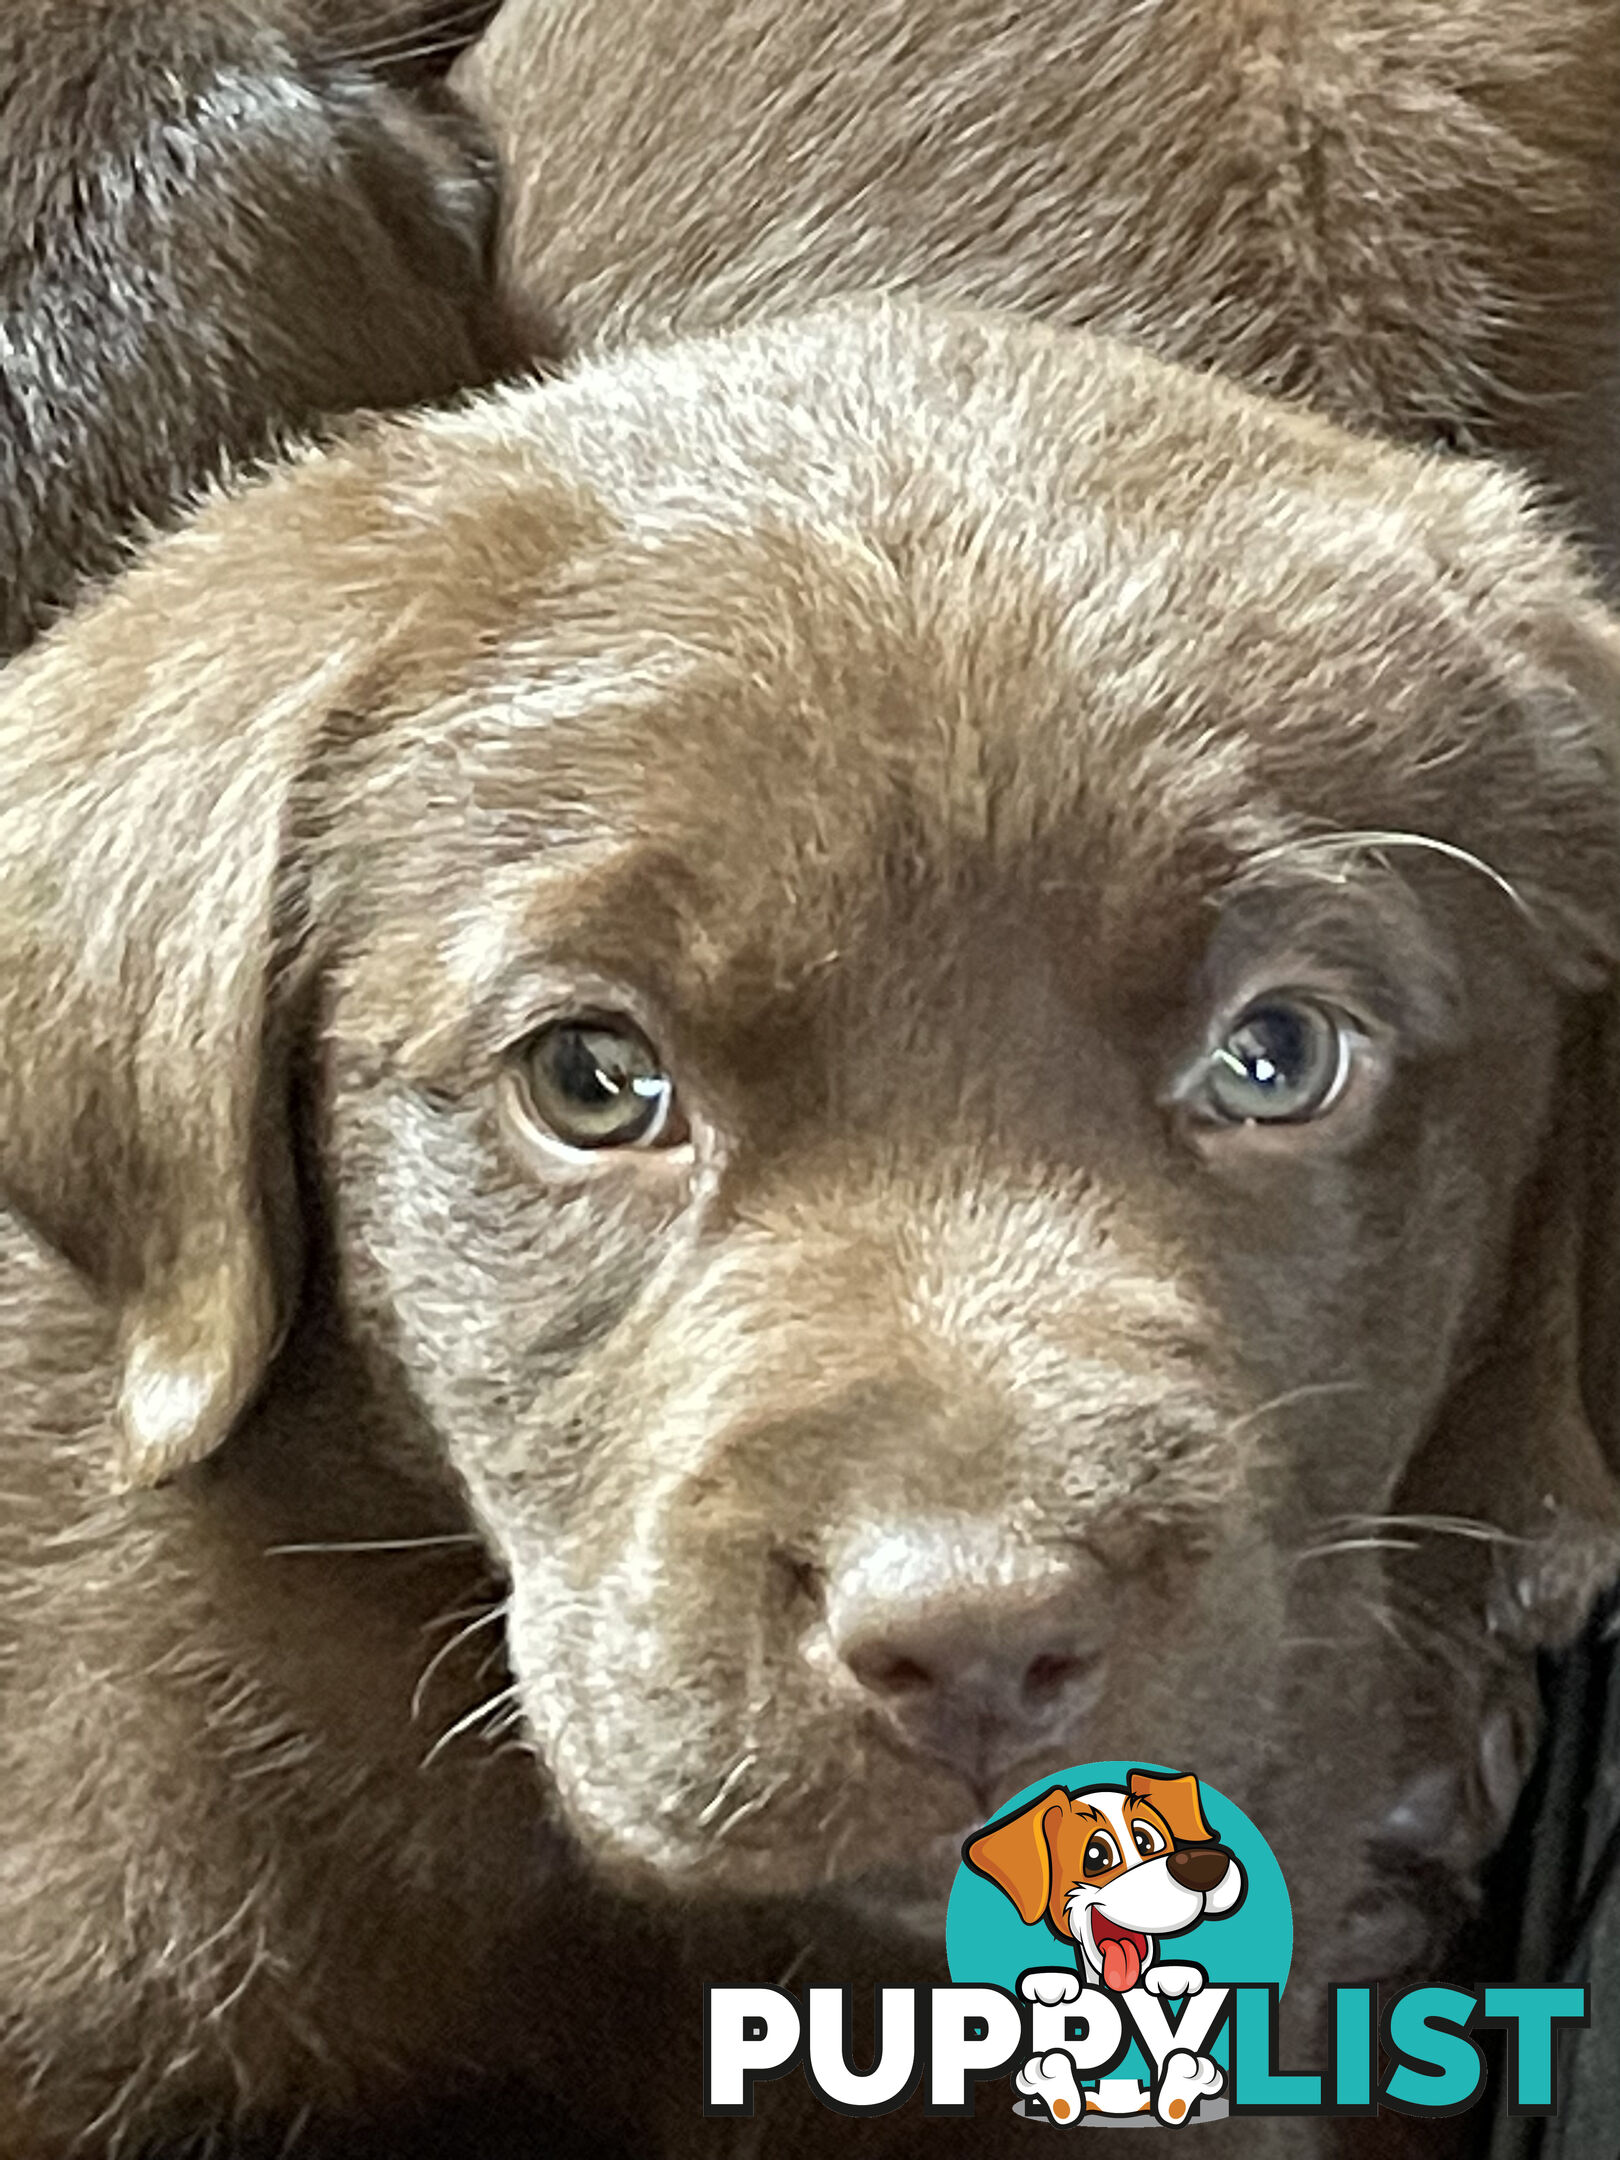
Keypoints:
pixel 905 1001
pixel 1407 214
pixel 220 223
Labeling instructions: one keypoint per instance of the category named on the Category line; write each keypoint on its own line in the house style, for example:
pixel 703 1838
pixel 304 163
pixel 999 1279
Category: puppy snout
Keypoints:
pixel 975 1681
pixel 1199 1867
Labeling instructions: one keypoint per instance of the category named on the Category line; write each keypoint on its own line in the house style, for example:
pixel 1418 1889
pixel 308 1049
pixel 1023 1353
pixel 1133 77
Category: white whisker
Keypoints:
pixel 466 1724
pixel 753 1806
pixel 1461 1526
pixel 1358 842
pixel 1310 1390
pixel 1356 1544
pixel 1381 1533
pixel 448 1649
pixel 377 1545
pixel 728 1785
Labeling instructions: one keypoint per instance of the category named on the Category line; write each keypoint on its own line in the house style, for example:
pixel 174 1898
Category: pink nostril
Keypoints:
pixel 980 1675
pixel 967 1667
pixel 1051 1672
pixel 882 1671
pixel 964 1688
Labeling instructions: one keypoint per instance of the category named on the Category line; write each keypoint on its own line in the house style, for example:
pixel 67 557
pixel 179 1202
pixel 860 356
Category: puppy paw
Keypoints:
pixel 1050 2077
pixel 1187 2078
pixel 1173 1980
pixel 1053 1984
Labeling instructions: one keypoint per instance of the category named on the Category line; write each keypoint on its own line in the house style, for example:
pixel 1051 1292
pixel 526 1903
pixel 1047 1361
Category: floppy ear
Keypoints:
pixel 1177 1800
pixel 1529 1442
pixel 149 752
pixel 1560 1493
pixel 1578 1279
pixel 1016 1855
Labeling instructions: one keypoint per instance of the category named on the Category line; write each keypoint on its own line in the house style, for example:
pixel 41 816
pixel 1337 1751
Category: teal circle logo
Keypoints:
pixel 1119 1873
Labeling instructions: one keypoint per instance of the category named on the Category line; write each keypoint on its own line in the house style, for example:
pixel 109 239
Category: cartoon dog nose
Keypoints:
pixel 1198 1867
pixel 976 1684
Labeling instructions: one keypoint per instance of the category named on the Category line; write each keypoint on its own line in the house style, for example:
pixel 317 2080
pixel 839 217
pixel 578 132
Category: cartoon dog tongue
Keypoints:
pixel 1121 1961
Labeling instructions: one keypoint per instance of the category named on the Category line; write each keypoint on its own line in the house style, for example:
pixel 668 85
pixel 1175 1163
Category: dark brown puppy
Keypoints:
pixel 1407 214
pixel 219 223
pixel 957 768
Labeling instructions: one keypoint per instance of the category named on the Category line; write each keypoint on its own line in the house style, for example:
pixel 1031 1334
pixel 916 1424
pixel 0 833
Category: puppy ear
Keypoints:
pixel 150 750
pixel 1528 1444
pixel 1565 1497
pixel 1016 1855
pixel 1544 1411
pixel 1177 1800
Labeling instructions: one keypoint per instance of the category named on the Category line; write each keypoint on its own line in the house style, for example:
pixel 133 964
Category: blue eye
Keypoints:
pixel 1285 1061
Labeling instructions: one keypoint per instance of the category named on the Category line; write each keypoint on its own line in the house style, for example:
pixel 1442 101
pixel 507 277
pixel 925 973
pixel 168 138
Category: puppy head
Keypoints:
pixel 1068 1853
pixel 952 986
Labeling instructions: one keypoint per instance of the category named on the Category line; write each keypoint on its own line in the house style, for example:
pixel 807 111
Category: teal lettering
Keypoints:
pixel 1257 2084
pixel 1353 2047
pixel 1533 2016
pixel 1440 2070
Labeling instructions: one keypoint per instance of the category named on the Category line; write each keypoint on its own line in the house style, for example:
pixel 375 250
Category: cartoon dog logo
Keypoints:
pixel 1114 1871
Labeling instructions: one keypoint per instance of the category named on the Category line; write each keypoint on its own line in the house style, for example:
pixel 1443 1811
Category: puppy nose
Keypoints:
pixel 976 1684
pixel 1198 1867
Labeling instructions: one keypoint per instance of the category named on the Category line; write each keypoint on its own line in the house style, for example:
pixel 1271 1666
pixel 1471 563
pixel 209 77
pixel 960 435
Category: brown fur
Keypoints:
pixel 1407 214
pixel 219 224
pixel 413 41
pixel 926 726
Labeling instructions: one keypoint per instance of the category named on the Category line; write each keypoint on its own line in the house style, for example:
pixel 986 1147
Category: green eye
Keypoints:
pixel 599 1084
pixel 1286 1061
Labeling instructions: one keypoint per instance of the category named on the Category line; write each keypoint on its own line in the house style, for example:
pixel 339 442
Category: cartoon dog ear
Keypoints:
pixel 1177 1800
pixel 149 907
pixel 1016 1855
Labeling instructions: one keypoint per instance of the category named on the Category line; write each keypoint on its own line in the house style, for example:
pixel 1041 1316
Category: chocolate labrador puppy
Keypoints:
pixel 1008 1057
pixel 219 223
pixel 1407 215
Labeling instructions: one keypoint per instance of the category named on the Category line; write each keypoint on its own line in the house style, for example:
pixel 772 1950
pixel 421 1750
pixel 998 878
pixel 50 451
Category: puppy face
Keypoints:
pixel 1112 1870
pixel 937 974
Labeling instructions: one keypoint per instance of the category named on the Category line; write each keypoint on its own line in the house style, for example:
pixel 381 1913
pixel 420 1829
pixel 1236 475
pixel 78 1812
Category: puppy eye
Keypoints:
pixel 596 1084
pixel 1286 1061
pixel 1146 1840
pixel 1100 1854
